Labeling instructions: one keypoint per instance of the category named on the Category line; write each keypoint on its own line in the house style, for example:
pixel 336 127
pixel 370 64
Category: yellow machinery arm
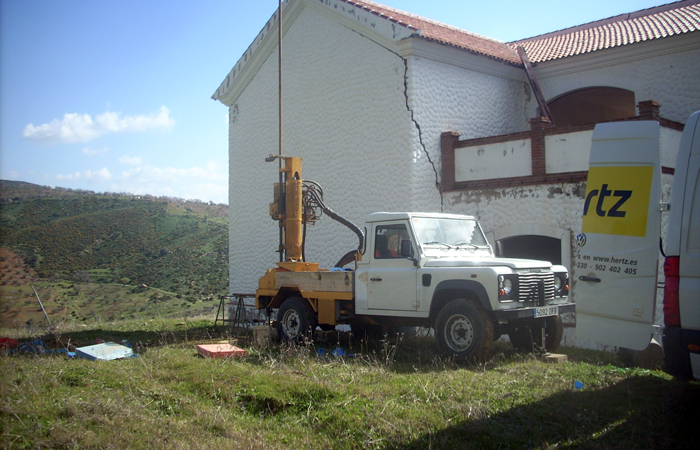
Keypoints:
pixel 288 208
pixel 295 204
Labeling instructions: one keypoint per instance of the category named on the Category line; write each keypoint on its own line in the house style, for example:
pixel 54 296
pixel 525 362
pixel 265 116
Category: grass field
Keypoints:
pixel 393 394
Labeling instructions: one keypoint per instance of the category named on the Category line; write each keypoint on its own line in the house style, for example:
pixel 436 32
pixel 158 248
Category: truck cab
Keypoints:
pixel 438 270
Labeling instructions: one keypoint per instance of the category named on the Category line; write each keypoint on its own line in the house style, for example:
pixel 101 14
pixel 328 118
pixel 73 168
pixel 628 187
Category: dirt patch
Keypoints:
pixel 13 270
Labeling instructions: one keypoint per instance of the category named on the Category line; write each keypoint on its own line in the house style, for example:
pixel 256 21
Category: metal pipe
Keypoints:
pixel 41 304
pixel 282 180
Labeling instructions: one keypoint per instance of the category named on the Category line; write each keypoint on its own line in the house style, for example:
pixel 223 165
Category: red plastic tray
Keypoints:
pixel 220 351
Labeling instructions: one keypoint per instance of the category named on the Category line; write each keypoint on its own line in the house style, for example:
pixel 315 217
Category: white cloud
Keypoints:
pixel 94 151
pixel 172 174
pixel 88 175
pixel 207 181
pixel 131 160
pixel 204 183
pixel 82 128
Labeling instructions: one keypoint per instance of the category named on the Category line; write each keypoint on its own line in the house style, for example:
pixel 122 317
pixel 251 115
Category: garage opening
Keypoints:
pixel 592 105
pixel 531 247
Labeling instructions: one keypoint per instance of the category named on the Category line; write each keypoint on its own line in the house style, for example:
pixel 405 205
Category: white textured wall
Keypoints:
pixel 445 97
pixel 557 205
pixel 670 142
pixel 489 161
pixel 568 152
pixel 345 115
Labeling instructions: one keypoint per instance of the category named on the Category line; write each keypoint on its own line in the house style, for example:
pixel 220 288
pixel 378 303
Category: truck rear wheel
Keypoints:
pixel 528 337
pixel 295 319
pixel 463 330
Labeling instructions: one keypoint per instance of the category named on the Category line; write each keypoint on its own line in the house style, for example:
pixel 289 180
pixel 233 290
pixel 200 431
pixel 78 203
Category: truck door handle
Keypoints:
pixel 592 279
pixel 375 279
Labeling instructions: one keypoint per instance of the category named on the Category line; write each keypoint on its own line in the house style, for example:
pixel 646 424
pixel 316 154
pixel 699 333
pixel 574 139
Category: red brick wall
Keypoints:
pixel 540 128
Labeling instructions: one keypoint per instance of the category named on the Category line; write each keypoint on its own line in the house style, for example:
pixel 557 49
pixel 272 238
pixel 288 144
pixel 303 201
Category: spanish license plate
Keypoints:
pixel 545 311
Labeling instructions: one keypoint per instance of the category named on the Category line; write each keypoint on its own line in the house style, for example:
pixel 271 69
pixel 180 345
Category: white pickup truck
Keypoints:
pixel 430 270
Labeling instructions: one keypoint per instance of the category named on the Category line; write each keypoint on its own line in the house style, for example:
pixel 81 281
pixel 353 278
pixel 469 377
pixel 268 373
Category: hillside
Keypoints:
pixel 140 250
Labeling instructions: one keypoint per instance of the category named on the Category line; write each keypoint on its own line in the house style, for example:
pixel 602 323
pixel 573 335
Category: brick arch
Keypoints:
pixel 592 105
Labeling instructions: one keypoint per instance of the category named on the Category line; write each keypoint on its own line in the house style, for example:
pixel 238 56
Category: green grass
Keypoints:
pixel 393 394
pixel 69 302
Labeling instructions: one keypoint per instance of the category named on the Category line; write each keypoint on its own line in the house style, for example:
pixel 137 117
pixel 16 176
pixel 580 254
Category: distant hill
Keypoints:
pixel 141 243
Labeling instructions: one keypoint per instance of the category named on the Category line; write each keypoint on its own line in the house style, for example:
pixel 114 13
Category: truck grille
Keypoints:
pixel 530 284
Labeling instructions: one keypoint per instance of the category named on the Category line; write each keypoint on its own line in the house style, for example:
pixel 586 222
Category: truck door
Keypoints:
pixel 392 278
pixel 617 261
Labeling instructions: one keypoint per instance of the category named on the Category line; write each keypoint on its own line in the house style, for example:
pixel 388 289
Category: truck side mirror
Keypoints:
pixel 407 248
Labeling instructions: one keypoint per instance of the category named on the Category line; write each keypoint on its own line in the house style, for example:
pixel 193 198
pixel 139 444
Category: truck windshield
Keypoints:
pixel 449 233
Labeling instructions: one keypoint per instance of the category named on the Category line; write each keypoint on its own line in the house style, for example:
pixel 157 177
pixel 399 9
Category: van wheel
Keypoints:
pixel 528 337
pixel 463 330
pixel 295 319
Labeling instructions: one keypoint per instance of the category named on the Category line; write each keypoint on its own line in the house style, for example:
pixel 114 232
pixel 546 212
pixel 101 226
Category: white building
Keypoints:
pixel 394 112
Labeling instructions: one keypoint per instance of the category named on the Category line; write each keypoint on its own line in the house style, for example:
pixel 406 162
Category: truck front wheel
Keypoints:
pixel 463 330
pixel 295 319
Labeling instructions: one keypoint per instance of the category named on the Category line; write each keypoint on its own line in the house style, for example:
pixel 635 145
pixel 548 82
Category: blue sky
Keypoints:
pixel 115 96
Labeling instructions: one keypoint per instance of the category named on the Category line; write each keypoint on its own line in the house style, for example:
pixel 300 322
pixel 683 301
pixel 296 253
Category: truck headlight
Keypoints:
pixel 561 284
pixel 507 287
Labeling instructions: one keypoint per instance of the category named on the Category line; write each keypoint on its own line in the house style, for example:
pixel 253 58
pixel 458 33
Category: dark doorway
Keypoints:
pixel 531 247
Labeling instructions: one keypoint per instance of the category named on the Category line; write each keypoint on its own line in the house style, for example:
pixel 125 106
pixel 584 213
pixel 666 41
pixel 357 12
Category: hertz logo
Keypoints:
pixel 615 211
pixel 617 200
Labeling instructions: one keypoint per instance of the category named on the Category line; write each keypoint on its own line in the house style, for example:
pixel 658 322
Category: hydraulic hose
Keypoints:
pixel 314 198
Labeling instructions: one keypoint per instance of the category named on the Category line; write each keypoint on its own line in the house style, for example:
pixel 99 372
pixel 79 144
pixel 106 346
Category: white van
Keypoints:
pixel 681 336
pixel 617 261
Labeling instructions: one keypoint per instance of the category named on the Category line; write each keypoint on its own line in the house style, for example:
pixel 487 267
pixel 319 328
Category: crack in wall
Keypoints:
pixel 420 134
pixel 413 119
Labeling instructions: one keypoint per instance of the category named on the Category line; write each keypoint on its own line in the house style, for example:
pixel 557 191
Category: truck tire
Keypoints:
pixel 463 330
pixel 295 320
pixel 528 337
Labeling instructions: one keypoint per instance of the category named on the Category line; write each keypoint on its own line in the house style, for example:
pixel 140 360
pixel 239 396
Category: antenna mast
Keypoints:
pixel 279 95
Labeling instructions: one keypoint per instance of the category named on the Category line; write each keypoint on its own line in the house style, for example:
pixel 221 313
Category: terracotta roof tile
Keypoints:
pixel 444 34
pixel 653 23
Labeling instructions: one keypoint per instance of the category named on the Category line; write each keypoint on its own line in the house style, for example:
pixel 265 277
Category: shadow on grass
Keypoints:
pixel 638 412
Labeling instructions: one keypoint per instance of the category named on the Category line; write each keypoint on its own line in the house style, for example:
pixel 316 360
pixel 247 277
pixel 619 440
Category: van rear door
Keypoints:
pixel 618 249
